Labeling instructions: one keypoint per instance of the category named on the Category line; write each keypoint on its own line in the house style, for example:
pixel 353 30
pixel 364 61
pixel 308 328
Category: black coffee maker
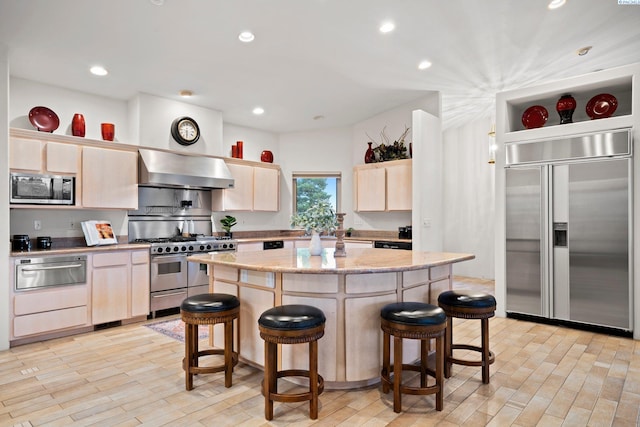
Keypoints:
pixel 20 243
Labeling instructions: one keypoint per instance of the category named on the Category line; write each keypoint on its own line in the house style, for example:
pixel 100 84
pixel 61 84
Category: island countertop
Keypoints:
pixel 357 261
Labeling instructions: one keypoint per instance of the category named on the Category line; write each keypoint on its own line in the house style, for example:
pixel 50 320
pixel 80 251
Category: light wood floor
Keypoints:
pixel 130 375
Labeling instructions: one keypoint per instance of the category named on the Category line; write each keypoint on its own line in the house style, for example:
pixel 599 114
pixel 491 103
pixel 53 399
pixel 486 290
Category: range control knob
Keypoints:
pixel 224 246
pixel 202 247
pixel 209 246
pixel 175 249
pixel 230 245
pixel 167 249
pixel 159 250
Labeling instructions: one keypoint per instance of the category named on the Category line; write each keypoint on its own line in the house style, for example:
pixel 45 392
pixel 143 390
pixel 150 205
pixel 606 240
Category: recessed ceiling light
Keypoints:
pixel 423 65
pixel 98 70
pixel 583 50
pixel 258 110
pixel 554 4
pixel 186 93
pixel 156 2
pixel 320 117
pixel 387 27
pixel 246 36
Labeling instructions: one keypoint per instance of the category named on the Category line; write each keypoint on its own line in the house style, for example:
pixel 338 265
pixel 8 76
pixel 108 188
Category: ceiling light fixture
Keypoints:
pixel 98 70
pixel 156 2
pixel 320 117
pixel 555 4
pixel 246 37
pixel 186 93
pixel 423 65
pixel 584 50
pixel 258 111
pixel 387 27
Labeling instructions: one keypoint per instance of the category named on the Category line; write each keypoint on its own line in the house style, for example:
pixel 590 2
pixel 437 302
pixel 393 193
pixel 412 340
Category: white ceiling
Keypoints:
pixel 315 57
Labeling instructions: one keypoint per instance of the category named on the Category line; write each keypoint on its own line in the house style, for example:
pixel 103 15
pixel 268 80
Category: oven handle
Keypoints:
pixel 54 267
pixel 168 258
pixel 168 295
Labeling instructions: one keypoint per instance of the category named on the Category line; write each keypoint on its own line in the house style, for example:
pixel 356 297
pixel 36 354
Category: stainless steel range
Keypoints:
pixel 166 219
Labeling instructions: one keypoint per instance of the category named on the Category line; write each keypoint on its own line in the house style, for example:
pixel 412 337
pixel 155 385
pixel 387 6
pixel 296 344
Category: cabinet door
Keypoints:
pixel 239 198
pixel 25 154
pixel 266 189
pixel 399 194
pixel 370 189
pixel 109 178
pixel 62 158
pixel 139 283
pixel 110 287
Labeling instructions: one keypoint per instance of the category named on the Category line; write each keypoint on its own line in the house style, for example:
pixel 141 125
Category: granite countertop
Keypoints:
pixel 357 260
pixel 79 249
pixel 294 238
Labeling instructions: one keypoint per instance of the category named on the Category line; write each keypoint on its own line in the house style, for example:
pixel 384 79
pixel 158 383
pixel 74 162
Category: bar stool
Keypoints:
pixel 412 320
pixel 291 324
pixel 468 305
pixel 209 309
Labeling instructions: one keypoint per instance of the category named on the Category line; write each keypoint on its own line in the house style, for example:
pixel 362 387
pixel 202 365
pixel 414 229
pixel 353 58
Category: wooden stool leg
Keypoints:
pixel 439 373
pixel 386 360
pixel 313 379
pixel 448 351
pixel 423 362
pixel 397 374
pixel 269 378
pixel 485 350
pixel 228 353
pixel 188 356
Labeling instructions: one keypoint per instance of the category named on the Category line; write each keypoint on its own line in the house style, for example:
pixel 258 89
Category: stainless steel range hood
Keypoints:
pixel 162 169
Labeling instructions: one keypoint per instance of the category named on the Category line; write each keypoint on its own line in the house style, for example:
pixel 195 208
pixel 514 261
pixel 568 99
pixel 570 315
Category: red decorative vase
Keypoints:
pixel 77 125
pixel 266 156
pixel 565 106
pixel 240 148
pixel 369 155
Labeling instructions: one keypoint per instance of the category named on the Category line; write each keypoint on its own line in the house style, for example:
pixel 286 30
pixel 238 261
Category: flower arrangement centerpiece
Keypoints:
pixel 318 218
pixel 385 150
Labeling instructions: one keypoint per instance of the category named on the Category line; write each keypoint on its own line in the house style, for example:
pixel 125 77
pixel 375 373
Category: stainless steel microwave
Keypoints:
pixel 39 189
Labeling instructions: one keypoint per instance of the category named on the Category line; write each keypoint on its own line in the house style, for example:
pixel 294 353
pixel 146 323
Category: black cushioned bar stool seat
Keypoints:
pixel 209 309
pixel 291 324
pixel 468 305
pixel 412 320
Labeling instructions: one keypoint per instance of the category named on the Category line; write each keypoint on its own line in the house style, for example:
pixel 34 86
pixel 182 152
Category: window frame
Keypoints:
pixel 294 187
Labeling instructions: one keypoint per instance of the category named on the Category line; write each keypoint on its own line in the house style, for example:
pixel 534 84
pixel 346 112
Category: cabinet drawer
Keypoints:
pixel 49 321
pixel 109 259
pixel 369 283
pixel 310 283
pixel 55 299
pixel 140 257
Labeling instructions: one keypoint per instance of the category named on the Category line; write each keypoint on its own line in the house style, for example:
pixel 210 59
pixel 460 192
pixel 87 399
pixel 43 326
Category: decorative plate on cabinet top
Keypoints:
pixel 44 119
pixel 601 106
pixel 535 117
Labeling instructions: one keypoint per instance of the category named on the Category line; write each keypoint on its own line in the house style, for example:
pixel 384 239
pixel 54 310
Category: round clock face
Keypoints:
pixel 185 130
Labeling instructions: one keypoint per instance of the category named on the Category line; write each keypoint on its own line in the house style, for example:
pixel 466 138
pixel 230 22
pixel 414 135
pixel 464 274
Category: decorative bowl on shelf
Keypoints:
pixel 44 119
pixel 601 106
pixel 534 117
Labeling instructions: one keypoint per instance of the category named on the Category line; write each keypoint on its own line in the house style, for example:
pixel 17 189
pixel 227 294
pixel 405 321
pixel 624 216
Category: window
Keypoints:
pixel 310 187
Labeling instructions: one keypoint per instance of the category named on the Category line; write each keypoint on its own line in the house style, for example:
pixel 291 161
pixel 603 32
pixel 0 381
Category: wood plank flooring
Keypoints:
pixel 130 375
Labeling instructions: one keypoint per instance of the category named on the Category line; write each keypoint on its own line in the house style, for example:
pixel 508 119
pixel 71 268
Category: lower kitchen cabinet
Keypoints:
pixel 120 285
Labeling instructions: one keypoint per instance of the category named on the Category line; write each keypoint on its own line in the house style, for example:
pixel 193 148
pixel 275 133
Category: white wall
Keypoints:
pixel 469 197
pixel 4 196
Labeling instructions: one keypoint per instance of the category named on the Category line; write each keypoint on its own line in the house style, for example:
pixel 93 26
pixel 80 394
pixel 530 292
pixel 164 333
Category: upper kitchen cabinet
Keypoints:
pixel 109 178
pixel 256 188
pixel 383 187
pixel 603 101
pixel 41 156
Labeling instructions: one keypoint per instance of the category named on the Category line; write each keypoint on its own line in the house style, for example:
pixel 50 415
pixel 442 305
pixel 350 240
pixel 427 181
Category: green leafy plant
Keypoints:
pixel 319 217
pixel 348 231
pixel 228 222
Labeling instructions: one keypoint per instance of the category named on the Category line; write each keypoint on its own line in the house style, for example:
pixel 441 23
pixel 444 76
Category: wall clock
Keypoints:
pixel 185 130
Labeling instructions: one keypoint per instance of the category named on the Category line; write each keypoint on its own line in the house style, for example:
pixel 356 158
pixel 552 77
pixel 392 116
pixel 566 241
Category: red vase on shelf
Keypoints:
pixel 77 125
pixel 565 106
pixel 369 155
pixel 266 156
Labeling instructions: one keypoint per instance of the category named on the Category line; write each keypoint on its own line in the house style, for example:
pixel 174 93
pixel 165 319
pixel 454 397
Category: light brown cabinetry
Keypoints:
pixel 383 187
pixel 120 286
pixel 109 178
pixel 256 188
pixel 43 156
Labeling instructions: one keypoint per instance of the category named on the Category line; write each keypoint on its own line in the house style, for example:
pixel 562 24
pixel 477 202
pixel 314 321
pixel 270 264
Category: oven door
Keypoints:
pixel 198 280
pixel 168 272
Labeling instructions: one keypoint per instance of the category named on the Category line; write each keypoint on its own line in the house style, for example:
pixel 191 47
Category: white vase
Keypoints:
pixel 315 246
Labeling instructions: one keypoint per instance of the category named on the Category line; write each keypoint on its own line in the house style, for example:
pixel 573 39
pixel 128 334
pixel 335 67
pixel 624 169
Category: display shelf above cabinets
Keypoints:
pixel 618 83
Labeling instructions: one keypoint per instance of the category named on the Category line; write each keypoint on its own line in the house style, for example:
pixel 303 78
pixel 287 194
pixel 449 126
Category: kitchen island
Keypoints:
pixel 350 290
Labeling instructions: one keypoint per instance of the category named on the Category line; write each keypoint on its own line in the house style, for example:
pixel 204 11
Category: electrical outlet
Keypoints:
pixel 37 225
pixel 426 222
pixel 72 225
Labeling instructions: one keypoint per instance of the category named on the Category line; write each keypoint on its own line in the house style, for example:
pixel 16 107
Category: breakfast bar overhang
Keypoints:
pixel 350 291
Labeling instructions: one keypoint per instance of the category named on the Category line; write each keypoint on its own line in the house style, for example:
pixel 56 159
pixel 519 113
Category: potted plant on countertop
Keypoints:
pixel 228 222
pixel 349 231
pixel 318 218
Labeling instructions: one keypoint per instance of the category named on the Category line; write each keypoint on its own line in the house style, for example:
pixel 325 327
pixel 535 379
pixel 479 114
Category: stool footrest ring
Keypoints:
pixel 492 357
pixel 210 369
pixel 294 397
pixel 421 391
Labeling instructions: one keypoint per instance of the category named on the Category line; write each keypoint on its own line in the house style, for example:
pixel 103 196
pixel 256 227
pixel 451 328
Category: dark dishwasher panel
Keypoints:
pixel 392 245
pixel 273 244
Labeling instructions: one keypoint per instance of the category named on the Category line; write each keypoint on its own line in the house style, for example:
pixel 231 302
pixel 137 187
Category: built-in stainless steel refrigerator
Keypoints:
pixel 569 229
